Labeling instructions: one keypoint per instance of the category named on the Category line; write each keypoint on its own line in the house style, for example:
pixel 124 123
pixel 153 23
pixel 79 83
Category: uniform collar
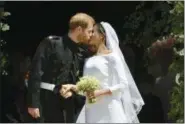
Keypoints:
pixel 70 42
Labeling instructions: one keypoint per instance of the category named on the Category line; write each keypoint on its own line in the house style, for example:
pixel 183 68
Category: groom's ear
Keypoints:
pixel 79 29
pixel 94 24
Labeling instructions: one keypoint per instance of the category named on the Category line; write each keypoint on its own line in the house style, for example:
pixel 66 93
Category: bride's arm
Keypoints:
pixel 121 83
pixel 117 67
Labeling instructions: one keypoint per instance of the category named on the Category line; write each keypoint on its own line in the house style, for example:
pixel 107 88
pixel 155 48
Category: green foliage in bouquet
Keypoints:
pixel 88 84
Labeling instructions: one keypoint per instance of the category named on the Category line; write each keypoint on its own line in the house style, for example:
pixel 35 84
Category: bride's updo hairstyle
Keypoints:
pixel 101 30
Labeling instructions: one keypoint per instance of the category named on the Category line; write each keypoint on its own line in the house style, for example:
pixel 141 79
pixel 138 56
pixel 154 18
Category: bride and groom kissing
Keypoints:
pixel 88 49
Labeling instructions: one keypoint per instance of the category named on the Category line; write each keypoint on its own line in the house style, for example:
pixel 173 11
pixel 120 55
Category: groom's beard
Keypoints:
pixel 83 39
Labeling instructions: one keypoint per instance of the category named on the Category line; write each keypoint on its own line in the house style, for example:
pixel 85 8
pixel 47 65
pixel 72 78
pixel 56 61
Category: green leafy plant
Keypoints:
pixel 177 95
pixel 146 25
pixel 3 55
pixel 174 40
pixel 159 27
pixel 4 26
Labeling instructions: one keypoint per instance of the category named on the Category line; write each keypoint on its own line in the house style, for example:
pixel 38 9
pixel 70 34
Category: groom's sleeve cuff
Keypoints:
pixel 56 89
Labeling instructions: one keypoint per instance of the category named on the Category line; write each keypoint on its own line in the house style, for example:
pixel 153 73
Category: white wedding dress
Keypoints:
pixel 108 108
pixel 125 102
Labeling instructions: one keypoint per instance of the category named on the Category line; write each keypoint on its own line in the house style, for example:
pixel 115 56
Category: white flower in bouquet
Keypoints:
pixel 88 84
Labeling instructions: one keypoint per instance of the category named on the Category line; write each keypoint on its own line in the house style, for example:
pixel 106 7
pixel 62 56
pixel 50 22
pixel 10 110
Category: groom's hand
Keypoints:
pixel 65 91
pixel 34 112
pixel 65 88
pixel 67 95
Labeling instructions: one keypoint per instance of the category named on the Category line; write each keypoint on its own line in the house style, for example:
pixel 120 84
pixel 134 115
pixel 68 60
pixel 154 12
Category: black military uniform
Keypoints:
pixel 58 60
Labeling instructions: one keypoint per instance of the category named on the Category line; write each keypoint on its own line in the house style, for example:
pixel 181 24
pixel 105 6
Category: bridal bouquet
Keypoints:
pixel 88 84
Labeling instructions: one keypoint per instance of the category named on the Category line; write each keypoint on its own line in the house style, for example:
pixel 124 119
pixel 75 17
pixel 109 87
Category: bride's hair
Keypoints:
pixel 101 30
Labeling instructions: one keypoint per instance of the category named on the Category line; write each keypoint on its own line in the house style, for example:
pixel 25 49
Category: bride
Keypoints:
pixel 118 100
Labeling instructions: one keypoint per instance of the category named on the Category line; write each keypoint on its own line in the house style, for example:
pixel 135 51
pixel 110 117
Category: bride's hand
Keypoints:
pixel 94 94
pixel 98 93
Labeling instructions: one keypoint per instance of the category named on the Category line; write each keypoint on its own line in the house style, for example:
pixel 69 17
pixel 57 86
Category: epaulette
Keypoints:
pixel 53 37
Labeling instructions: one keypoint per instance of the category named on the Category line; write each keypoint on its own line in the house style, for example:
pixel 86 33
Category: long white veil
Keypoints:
pixel 131 98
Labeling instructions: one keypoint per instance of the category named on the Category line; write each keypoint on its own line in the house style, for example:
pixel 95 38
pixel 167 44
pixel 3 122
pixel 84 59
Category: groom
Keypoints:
pixel 58 61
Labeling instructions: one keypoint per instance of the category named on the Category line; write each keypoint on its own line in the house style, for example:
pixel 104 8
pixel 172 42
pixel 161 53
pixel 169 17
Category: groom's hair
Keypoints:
pixel 80 19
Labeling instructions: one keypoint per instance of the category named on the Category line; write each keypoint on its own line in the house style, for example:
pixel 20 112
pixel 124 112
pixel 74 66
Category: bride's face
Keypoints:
pixel 97 38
